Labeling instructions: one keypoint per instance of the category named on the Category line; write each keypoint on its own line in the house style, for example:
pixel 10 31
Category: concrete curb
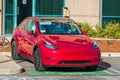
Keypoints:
pixel 8 67
pixel 8 54
pixel 110 54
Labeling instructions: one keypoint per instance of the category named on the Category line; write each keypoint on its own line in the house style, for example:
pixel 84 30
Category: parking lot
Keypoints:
pixel 110 66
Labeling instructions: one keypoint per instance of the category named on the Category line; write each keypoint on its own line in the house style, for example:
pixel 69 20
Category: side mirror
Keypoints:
pixel 31 32
pixel 84 32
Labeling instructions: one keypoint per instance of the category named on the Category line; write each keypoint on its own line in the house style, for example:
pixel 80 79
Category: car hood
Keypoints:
pixel 68 41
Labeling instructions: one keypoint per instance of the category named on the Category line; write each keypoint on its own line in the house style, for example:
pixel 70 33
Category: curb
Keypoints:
pixel 110 54
pixel 8 54
pixel 8 67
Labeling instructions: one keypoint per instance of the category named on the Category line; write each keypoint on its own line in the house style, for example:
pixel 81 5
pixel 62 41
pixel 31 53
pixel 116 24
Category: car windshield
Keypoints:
pixel 58 27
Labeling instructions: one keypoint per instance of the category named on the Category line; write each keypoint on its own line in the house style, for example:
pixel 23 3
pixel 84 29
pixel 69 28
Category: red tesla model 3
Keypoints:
pixel 54 42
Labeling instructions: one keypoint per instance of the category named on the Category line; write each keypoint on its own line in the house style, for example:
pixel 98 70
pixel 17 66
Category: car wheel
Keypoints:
pixel 37 60
pixel 91 68
pixel 14 52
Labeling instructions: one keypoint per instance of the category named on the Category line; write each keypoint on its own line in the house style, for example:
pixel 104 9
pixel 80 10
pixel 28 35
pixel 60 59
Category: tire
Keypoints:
pixel 37 60
pixel 14 53
pixel 91 68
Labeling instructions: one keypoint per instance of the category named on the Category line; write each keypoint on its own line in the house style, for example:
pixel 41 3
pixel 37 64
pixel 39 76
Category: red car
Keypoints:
pixel 54 42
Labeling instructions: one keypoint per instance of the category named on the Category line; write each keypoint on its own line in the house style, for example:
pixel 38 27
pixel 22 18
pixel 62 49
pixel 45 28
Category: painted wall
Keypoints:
pixel 84 10
pixel 0 16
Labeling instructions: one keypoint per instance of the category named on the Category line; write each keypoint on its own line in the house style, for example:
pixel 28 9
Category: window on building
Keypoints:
pixel 110 11
pixel 49 7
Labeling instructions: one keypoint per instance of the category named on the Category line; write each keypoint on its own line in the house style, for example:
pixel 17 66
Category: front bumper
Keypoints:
pixel 70 58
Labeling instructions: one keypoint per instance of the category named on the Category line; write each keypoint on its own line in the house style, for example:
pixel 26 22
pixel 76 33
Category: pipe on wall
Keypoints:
pixel 2 20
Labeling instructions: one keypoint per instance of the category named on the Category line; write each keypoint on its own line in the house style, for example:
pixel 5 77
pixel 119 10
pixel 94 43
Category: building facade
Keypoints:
pixel 12 12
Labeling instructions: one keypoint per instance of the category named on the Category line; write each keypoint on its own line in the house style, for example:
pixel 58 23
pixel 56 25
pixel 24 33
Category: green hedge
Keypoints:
pixel 110 31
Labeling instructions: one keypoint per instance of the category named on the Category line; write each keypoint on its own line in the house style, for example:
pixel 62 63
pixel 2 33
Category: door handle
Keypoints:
pixel 17 10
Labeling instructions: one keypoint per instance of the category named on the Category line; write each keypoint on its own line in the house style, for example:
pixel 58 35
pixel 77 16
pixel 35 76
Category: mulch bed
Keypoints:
pixel 5 47
pixel 109 45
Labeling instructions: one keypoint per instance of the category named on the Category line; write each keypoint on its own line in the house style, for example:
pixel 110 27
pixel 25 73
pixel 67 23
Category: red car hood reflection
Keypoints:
pixel 68 41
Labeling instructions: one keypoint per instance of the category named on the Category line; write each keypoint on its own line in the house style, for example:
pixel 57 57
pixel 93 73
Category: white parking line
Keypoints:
pixel 108 72
pixel 109 69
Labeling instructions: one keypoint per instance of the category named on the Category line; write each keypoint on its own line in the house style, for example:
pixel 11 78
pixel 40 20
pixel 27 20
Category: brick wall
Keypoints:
pixel 84 10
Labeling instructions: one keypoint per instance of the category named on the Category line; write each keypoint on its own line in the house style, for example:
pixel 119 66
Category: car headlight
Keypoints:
pixel 49 45
pixel 94 45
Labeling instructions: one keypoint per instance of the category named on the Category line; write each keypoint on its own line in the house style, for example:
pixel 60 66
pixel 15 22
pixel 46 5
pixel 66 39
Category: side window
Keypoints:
pixel 25 24
pixel 31 27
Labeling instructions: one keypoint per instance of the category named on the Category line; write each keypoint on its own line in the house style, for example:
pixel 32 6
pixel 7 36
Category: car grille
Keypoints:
pixel 75 62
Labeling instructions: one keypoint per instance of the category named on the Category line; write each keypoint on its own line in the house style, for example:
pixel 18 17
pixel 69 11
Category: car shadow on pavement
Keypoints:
pixel 103 66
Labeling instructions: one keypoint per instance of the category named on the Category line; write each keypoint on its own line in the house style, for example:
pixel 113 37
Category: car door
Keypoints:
pixel 21 36
pixel 30 39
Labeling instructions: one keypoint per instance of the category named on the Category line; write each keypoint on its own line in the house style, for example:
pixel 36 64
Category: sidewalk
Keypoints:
pixel 7 66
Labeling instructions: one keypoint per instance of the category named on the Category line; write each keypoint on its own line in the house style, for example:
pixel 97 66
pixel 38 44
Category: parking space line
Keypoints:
pixel 54 73
pixel 108 72
pixel 110 69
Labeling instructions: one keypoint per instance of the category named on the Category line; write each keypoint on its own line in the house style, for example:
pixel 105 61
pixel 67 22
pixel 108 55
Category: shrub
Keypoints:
pixel 110 31
pixel 87 28
pixel 109 42
pixel 100 32
pixel 117 35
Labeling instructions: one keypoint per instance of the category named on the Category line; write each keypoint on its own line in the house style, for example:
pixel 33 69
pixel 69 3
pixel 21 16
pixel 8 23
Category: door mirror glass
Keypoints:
pixel 84 32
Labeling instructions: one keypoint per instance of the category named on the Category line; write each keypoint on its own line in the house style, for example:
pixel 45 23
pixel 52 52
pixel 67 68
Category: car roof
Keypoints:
pixel 54 18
